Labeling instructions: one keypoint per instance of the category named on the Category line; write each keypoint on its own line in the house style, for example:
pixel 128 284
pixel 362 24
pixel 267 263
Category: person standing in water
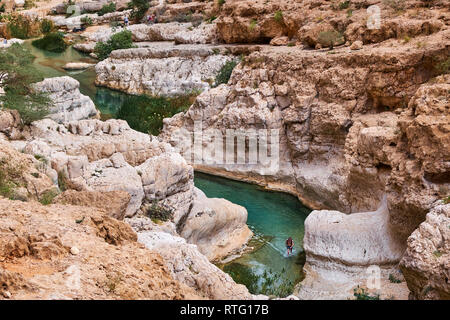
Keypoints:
pixel 289 245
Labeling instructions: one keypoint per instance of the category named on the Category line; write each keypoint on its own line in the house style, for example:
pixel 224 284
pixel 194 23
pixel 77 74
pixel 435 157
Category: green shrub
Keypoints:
pixel 361 294
pixel 253 24
pixel 211 19
pixel 159 212
pixel 28 4
pixel 139 8
pixel 2 7
pixel 47 26
pixel 328 39
pixel 63 181
pixel 145 114
pixel 443 67
pixel 120 40
pixel 107 8
pixel 278 16
pixel 225 72
pixel 86 20
pixel 17 64
pixel 53 42
pixel 47 197
pixel 344 5
pixel 393 279
pixel 19 27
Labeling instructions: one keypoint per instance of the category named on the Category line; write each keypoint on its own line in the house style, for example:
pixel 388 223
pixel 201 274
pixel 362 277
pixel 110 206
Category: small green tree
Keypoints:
pixel 2 7
pixel 87 21
pixel 53 42
pixel 19 27
pixel 47 26
pixel 17 75
pixel 107 8
pixel 139 8
pixel 120 40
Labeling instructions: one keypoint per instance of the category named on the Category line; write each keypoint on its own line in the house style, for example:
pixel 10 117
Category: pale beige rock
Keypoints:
pixel 77 65
pixel 68 103
pixel 357 45
pixel 426 263
pixel 190 267
pixel 217 226
pixel 114 203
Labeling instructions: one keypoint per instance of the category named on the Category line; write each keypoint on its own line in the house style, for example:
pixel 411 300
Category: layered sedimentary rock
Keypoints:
pixel 92 156
pixel 158 71
pixel 184 33
pixel 426 263
pixel 261 21
pixel 354 126
pixel 185 261
pixel 216 226
pixel 341 248
pixel 68 103
pixel 110 171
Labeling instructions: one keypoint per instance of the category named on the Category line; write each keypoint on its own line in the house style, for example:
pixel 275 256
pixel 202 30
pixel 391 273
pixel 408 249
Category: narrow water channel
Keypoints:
pixel 272 216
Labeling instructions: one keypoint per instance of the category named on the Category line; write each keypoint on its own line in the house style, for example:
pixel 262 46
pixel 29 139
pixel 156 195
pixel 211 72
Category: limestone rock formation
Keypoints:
pixel 23 176
pixel 189 266
pixel 114 203
pixel 425 264
pixel 34 249
pixel 158 71
pixel 341 249
pixel 77 65
pixel 68 103
pixel 217 226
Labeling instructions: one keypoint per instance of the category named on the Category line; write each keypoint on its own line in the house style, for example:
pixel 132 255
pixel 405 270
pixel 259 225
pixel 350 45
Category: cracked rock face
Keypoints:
pixel 189 266
pixel 155 72
pixel 426 263
pixel 97 157
pixel 68 103
pixel 217 226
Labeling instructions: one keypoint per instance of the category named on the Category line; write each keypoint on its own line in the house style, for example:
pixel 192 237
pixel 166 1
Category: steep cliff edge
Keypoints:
pixel 357 124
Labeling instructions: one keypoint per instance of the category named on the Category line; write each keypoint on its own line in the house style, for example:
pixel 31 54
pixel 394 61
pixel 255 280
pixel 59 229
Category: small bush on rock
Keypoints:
pixel 225 72
pixel 139 8
pixel 158 212
pixel 107 8
pixel 120 40
pixel 47 26
pixel 53 42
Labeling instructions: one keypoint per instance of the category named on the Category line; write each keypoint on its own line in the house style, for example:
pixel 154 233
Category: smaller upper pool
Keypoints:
pixel 273 217
pixel 50 64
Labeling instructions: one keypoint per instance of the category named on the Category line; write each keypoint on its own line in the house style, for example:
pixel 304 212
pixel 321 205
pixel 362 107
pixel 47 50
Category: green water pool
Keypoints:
pixel 273 217
pixel 50 65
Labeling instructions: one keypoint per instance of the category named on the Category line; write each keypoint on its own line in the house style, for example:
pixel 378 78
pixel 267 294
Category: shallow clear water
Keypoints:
pixel 273 217
pixel 50 65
